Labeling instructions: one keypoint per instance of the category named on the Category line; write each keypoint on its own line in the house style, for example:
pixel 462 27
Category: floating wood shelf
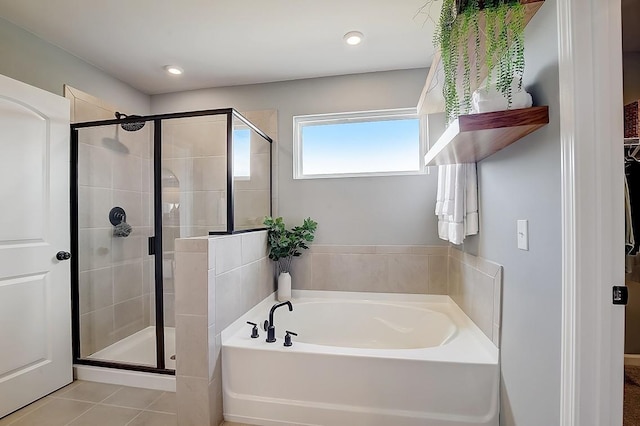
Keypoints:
pixel 471 138
pixel 431 99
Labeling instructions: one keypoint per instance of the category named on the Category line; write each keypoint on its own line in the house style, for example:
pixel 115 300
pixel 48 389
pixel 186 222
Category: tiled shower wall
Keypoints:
pixel 114 169
pixel 116 274
pixel 194 173
pixel 117 288
pixel 194 167
pixel 252 195
pixel 193 176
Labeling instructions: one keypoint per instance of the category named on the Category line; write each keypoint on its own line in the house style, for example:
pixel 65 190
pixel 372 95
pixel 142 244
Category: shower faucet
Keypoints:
pixel 268 324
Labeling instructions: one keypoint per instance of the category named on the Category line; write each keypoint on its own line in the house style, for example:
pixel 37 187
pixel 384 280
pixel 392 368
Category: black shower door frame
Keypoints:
pixel 155 242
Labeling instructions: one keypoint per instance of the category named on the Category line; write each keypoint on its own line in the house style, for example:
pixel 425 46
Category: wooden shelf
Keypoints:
pixel 471 138
pixel 431 99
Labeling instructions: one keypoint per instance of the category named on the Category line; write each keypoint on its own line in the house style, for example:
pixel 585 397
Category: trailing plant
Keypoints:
pixel 459 38
pixel 285 244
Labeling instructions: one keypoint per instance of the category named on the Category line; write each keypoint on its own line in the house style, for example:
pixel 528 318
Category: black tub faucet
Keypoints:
pixel 268 325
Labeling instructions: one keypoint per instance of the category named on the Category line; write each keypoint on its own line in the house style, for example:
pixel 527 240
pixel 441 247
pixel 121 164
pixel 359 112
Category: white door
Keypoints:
pixel 35 300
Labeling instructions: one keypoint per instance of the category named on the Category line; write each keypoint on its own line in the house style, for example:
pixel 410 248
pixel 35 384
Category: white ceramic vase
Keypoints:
pixel 284 287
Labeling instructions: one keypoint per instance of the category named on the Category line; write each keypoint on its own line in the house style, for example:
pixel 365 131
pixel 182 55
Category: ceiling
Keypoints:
pixel 230 42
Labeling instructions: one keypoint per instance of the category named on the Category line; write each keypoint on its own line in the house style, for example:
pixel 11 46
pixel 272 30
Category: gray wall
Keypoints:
pixel 523 182
pixel 31 60
pixel 371 210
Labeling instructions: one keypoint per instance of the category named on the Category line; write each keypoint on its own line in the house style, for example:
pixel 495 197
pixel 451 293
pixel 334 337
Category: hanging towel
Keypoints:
pixel 471 221
pixel 457 202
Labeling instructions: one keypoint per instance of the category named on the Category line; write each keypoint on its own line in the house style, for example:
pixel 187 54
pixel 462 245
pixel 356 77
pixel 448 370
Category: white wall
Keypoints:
pixel 523 182
pixel 373 210
pixel 31 60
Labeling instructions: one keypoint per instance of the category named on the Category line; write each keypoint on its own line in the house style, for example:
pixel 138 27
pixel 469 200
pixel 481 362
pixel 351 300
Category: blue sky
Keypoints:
pixel 242 152
pixel 374 146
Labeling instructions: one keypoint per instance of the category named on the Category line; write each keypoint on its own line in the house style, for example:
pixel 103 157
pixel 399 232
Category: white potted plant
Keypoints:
pixel 284 245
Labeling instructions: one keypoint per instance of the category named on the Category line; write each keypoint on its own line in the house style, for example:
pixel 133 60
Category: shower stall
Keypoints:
pixel 138 184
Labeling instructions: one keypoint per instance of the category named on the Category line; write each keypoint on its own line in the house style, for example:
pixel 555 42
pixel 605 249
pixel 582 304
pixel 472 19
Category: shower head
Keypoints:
pixel 130 127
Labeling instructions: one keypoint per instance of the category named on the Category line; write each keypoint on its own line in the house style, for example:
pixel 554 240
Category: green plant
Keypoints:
pixel 459 38
pixel 285 244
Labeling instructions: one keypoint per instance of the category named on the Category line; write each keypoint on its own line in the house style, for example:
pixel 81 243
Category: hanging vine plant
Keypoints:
pixel 459 37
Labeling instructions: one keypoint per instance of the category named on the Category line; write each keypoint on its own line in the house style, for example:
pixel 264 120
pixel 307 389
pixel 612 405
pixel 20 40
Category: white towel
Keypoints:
pixel 471 221
pixel 441 190
pixel 490 99
pixel 457 202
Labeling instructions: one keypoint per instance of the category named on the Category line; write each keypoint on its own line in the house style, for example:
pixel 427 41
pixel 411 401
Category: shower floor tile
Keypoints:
pixel 97 404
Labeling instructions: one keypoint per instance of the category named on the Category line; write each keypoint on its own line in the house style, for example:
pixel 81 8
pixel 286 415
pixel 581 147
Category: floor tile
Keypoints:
pixel 151 418
pixel 133 397
pixel 5 421
pixel 57 412
pixel 88 391
pixel 166 403
pixel 65 388
pixel 106 415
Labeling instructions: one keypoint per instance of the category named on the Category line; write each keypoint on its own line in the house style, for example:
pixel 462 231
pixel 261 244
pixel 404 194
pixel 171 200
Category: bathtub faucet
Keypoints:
pixel 268 325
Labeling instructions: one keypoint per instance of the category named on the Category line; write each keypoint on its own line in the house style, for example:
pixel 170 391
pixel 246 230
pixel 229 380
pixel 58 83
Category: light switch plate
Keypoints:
pixel 523 234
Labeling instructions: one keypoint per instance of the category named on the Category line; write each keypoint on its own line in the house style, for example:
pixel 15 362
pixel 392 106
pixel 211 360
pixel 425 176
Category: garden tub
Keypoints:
pixel 361 359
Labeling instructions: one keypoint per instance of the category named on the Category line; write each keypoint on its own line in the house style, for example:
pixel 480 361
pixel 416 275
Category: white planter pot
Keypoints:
pixel 284 286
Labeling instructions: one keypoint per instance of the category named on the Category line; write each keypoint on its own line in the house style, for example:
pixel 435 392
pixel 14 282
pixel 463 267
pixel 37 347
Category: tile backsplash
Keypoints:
pixel 389 269
pixel 475 284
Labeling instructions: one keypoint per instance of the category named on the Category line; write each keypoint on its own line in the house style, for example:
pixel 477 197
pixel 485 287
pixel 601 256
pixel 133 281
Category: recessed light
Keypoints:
pixel 353 38
pixel 172 69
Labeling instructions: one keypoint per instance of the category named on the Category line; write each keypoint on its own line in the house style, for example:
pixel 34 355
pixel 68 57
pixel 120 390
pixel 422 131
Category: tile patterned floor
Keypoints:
pixel 98 404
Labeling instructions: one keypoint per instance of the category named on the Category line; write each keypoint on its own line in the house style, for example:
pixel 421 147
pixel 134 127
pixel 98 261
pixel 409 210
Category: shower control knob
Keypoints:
pixel 63 255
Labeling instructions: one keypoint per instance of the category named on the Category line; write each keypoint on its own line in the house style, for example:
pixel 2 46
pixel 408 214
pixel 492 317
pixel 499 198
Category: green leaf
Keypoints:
pixel 285 244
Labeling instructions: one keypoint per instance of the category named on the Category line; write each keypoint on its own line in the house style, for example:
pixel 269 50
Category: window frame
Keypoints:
pixel 300 121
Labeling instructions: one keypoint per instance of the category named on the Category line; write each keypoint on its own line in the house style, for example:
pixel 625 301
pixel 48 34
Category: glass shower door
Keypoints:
pixel 116 279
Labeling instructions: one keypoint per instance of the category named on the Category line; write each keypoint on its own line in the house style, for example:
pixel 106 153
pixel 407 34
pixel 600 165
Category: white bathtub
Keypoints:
pixel 361 359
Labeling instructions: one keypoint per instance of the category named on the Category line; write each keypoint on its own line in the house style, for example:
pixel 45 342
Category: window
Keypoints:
pixel 241 153
pixel 373 143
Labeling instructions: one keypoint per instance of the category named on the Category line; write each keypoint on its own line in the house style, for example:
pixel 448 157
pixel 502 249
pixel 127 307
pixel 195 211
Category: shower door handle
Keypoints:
pixel 152 246
pixel 63 255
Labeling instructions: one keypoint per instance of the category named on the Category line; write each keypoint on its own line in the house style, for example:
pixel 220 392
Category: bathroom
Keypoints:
pixel 523 181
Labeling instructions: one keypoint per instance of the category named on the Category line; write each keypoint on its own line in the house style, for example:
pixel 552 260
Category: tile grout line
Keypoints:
pixel 28 412
pixel 136 416
pixel 81 414
pixel 153 402
pixel 105 404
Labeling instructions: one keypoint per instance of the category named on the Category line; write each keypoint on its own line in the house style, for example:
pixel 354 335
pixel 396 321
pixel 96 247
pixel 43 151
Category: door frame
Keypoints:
pixel 591 117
